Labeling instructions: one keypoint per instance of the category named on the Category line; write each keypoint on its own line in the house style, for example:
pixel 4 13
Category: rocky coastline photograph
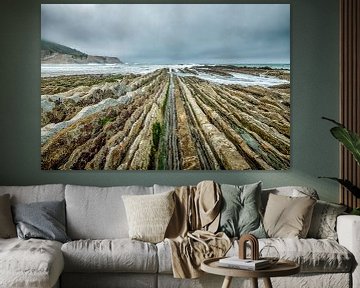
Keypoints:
pixel 165 87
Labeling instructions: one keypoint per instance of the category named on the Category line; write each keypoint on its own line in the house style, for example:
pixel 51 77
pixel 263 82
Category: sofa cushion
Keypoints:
pixel 43 220
pixel 7 226
pixel 30 263
pixel 98 213
pixel 149 215
pixel 323 222
pixel 240 210
pixel 291 191
pixel 313 255
pixel 287 216
pixel 109 280
pixel 35 193
pixel 163 188
pixel 116 255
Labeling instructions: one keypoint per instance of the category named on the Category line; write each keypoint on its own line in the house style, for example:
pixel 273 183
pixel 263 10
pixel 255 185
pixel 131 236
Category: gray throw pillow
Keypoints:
pixel 44 220
pixel 7 227
pixel 240 213
pixel 323 222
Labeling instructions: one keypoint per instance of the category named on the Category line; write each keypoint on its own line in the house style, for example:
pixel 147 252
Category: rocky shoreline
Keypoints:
pixel 165 120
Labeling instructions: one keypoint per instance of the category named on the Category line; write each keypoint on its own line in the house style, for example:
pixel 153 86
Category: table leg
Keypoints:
pixel 254 282
pixel 267 283
pixel 227 282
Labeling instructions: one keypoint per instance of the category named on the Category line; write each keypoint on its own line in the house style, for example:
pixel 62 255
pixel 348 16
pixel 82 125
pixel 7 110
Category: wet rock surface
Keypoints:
pixel 165 120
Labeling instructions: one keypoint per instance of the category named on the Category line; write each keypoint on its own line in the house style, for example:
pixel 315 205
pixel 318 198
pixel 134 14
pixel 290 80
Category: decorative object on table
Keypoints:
pixel 254 246
pixel 269 253
pixel 241 261
pixel 351 142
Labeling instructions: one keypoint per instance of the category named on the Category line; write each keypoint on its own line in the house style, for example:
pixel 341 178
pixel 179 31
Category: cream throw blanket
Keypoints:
pixel 191 231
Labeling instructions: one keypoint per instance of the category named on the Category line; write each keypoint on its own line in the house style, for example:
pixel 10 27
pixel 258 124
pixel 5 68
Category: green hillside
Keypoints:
pixel 51 48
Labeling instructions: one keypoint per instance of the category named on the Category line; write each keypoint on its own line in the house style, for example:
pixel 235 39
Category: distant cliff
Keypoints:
pixel 53 53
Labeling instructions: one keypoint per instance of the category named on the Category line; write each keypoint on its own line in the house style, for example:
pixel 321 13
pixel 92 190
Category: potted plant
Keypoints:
pixel 351 141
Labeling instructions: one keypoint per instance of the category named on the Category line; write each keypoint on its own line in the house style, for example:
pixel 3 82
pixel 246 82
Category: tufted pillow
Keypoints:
pixel 7 226
pixel 149 215
pixel 323 222
pixel 240 213
pixel 288 217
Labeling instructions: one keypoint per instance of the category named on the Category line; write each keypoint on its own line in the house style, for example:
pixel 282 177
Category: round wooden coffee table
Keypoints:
pixel 281 268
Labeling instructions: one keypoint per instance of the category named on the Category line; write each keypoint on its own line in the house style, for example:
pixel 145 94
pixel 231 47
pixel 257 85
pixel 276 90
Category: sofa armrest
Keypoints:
pixel 348 230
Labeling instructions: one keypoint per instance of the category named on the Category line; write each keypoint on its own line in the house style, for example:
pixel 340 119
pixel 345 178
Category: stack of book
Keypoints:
pixel 248 264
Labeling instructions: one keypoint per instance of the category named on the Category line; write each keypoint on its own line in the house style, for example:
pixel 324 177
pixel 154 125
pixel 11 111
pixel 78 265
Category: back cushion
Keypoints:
pixel 291 191
pixel 98 213
pixel 35 193
pixel 163 188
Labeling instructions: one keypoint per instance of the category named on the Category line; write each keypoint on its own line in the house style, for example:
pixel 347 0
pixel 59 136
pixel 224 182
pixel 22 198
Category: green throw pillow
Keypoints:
pixel 240 213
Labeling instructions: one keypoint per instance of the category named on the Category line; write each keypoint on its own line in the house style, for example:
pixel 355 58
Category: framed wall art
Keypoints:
pixel 165 86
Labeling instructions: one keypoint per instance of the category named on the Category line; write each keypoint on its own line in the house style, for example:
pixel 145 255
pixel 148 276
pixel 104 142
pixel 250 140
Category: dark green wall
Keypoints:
pixel 314 93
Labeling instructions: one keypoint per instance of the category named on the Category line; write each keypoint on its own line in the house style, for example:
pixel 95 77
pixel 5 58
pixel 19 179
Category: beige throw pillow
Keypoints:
pixel 7 226
pixel 148 215
pixel 288 217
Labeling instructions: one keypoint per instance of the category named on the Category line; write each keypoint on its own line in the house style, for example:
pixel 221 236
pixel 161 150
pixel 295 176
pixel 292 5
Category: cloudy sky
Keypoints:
pixel 172 33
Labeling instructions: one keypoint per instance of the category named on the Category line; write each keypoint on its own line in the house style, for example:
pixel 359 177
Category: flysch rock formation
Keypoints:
pixel 162 120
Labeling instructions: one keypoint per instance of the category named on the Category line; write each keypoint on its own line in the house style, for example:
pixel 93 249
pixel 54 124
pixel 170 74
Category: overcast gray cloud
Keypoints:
pixel 173 33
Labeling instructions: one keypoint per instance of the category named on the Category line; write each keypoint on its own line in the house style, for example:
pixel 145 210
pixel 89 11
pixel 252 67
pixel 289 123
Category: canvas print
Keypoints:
pixel 165 86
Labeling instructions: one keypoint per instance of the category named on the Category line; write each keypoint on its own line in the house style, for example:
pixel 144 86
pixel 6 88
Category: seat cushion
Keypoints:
pixel 98 213
pixel 313 255
pixel 117 255
pixel 30 263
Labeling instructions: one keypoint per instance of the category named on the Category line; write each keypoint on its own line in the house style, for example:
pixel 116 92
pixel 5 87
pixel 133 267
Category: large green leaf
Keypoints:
pixel 348 185
pixel 348 138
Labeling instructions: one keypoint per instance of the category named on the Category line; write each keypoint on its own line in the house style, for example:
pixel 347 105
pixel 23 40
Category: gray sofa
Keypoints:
pixel 101 254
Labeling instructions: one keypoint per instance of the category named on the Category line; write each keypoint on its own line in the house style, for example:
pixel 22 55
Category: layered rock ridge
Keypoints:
pixel 166 119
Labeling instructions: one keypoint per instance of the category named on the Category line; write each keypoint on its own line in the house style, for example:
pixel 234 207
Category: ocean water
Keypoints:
pixel 50 70
pixel 80 69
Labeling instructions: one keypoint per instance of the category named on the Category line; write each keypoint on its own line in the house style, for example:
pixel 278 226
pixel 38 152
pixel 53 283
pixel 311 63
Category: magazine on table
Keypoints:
pixel 249 264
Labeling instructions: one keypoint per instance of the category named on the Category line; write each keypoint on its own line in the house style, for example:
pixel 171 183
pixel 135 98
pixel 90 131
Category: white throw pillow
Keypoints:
pixel 149 215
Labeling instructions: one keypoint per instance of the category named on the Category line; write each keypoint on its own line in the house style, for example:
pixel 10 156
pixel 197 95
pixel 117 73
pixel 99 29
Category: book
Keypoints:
pixel 236 262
